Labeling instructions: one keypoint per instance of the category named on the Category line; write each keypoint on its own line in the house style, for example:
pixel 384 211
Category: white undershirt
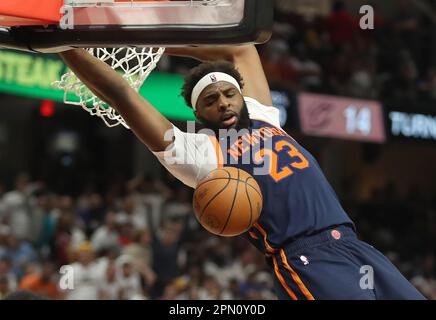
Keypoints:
pixel 198 150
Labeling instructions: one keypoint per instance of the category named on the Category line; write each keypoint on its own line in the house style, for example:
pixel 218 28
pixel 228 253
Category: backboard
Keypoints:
pixel 120 23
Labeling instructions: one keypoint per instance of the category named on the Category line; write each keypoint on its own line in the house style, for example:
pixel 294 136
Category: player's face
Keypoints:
pixel 221 106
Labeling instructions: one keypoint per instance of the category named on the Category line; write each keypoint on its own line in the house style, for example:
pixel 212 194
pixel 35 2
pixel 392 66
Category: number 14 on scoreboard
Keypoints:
pixel 341 117
pixel 358 120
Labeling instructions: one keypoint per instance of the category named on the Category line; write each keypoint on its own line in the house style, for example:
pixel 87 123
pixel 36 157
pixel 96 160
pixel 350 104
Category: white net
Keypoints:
pixel 134 64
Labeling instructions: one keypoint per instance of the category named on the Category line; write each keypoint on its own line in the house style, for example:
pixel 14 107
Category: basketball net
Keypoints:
pixel 134 64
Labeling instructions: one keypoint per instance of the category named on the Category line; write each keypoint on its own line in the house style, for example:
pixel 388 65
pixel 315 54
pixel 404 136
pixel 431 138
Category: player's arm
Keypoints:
pixel 144 120
pixel 245 58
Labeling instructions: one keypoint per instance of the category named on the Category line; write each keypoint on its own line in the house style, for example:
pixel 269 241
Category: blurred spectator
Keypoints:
pixel 180 205
pixel 211 290
pixel 308 71
pixel 8 277
pixel 67 236
pixel 363 80
pixel 277 65
pixel 427 84
pixel 87 274
pixel 43 282
pixel 403 85
pixel 341 25
pixel 170 292
pixel 109 288
pixel 16 208
pixel 44 222
pixel 133 212
pixel 141 252
pixel 20 253
pixel 128 279
pixel 166 250
pixel 219 261
pixel 251 289
pixel 5 231
pixel 126 230
pixel 107 235
pixel 23 295
pixel 425 280
pixel 405 22
pixel 4 286
pixel 91 211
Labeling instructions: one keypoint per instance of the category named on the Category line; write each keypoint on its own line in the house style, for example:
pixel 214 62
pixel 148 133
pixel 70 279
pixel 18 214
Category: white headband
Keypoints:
pixel 207 80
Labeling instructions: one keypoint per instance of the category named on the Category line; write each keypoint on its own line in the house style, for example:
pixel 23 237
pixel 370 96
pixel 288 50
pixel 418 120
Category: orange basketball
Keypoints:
pixel 227 202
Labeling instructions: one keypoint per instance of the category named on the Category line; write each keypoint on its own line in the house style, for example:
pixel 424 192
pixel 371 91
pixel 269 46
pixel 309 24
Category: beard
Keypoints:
pixel 243 121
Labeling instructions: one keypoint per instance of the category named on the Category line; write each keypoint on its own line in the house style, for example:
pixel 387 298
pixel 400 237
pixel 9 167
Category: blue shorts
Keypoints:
pixel 334 264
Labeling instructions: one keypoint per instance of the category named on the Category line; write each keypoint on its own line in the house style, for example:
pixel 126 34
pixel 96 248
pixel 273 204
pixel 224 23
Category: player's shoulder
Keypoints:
pixel 259 111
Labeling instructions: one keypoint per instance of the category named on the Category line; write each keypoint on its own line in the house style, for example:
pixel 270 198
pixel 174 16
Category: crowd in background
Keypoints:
pixel 140 240
pixel 403 227
pixel 393 62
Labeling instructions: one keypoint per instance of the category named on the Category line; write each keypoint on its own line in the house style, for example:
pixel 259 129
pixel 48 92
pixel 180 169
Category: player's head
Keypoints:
pixel 214 91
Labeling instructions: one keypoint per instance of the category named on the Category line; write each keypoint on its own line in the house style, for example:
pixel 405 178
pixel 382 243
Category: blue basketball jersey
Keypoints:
pixel 297 198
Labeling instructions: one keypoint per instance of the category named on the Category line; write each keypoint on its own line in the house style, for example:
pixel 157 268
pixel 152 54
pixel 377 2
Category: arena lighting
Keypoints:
pixel 47 108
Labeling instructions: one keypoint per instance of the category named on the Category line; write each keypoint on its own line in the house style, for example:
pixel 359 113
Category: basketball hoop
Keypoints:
pixel 129 35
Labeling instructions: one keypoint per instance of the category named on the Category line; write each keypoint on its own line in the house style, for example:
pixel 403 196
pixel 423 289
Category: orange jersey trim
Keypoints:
pixel 265 240
pixel 295 276
pixel 218 151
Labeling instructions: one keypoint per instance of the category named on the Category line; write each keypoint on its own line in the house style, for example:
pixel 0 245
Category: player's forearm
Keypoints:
pixel 208 54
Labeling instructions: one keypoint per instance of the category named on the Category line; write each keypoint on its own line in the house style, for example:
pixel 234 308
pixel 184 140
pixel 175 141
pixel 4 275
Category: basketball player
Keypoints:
pixel 308 240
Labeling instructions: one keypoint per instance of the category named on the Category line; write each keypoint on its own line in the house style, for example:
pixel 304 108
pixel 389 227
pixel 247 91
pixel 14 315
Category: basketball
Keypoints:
pixel 227 202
